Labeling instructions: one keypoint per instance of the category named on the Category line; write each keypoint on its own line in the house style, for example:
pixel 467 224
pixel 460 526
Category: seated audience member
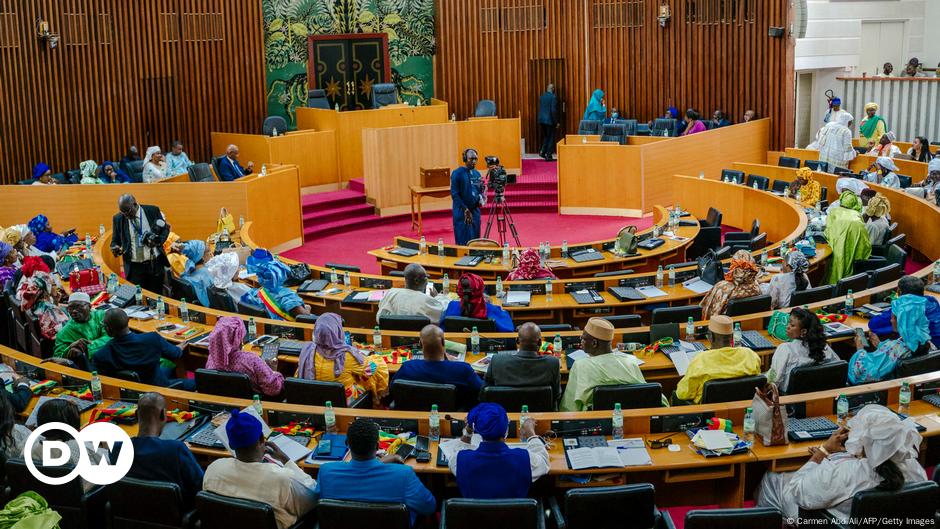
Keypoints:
pixel 65 412
pixel 876 218
pixel 223 269
pixel 37 296
pixel 132 155
pixel 912 69
pixel 230 169
pixel 876 450
pixel 492 470
pixel 672 113
pixel 147 354
pixel 226 354
pixel 412 300
pixel 525 367
pixel 260 472
pixel 792 278
pixel 8 259
pixel 366 479
pixel 810 190
pixel 719 120
pixel 693 123
pixel 722 361
pixel 13 434
pixel 473 304
pixel 929 187
pixel 110 173
pixel 909 321
pixel 42 175
pixel 614 114
pixel 22 240
pixel 530 267
pixel 435 368
pixel 280 302
pixel 920 150
pixel 154 165
pixel 89 170
pixel 847 236
pixel 48 241
pixel 886 146
pixel 157 459
pixel 19 396
pixel 883 172
pixel 80 338
pixel 834 142
pixel 329 358
pixel 177 162
pixel 739 282
pixel 807 345
pixel 749 115
pixel 847 183
pixel 603 367
pixel 185 258
pixel 887 69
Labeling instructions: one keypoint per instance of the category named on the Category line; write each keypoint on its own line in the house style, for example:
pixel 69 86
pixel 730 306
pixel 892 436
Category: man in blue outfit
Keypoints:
pixel 466 193
pixel 230 169
pixel 435 369
pixel 881 324
pixel 365 478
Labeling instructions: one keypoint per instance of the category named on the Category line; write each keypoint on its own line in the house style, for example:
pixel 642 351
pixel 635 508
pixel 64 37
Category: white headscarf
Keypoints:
pixel 887 163
pixel 881 435
pixel 934 165
pixel 150 152
pixel 844 118
pixel 847 183
pixel 222 268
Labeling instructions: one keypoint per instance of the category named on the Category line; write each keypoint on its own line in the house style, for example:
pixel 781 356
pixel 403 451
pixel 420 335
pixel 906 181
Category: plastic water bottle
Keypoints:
pixel 665 133
pixel 842 408
pixel 616 430
pixel 701 175
pixel 659 276
pixel 423 245
pixel 763 257
pixel 139 296
pixel 755 185
pixel 252 329
pixel 184 310
pixel 558 345
pixel 241 221
pixel 434 430
pixel 95 386
pixel 523 417
pixel 347 282
pixel 161 309
pixel 542 253
pixel 849 302
pixel 506 254
pixel 256 404
pixel 737 334
pixel 88 241
pixel 475 341
pixel 101 230
pixel 440 247
pixel 904 398
pixel 783 248
pixel 583 139
pixel 347 337
pixel 499 287
pixel 749 425
pixel 334 278
pixel 799 196
pixel 264 170
pixel 672 276
pixel 564 249
pixel 445 284
pixel 786 191
pixel 453 117
pixel 377 337
pixel 336 107
pixel 112 283
pixel 548 289
pixel 274 132
pixel 690 329
pixel 936 272
pixel 329 418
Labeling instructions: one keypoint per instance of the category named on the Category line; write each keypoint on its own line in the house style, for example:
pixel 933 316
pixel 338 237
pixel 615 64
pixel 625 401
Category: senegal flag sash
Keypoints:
pixel 271 304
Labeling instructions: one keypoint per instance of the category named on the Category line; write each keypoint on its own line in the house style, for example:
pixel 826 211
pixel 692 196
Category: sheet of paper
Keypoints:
pixel 634 457
pixel 633 442
pixel 577 355
pixel 681 360
pixel 243 274
pixel 581 458
pixel 651 292
pixel 697 285
pixel 451 446
pixel 361 296
pixel 292 449
pixel 377 295
pixel 223 436
pixel 714 439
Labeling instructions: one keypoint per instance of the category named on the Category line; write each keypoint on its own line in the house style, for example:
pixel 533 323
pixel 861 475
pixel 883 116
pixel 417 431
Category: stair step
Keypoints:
pixel 338 213
pixel 358 185
pixel 331 200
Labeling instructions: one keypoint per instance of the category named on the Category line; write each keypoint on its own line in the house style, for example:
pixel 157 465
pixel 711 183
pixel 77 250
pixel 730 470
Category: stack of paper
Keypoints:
pixel 651 292
pixel 291 448
pixel 683 357
pixel 619 453
pixel 697 285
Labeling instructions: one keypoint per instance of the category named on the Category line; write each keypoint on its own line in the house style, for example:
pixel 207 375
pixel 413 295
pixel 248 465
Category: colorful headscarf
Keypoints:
pixel 877 434
pixel 88 168
pixel 472 303
pixel 222 268
pixel 742 262
pixel 847 183
pixel 530 267
pixel 871 106
pixel 34 288
pixel 835 101
pixel 11 236
pixel 194 250
pixel 489 420
pixel 934 165
pixel 910 311
pixel 34 264
pixel 150 152
pixel 595 105
pixel 226 341
pixel 40 169
pixel 330 343
pixel 871 124
pixel 850 200
pixel 878 206
pixel 797 261
pixel 39 224
pixel 5 250
pixel 805 173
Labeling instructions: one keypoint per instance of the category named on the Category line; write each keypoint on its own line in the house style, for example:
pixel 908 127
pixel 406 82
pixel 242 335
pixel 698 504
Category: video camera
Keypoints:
pixel 496 176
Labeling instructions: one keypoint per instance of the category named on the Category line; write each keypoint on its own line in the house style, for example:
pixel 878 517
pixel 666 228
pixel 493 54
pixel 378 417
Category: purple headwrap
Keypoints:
pixel 330 343
pixel 489 420
pixel 225 342
pixel 5 250
pixel 243 430
pixel 40 169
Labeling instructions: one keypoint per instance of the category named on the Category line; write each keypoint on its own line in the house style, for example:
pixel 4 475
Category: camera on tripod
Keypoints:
pixel 496 176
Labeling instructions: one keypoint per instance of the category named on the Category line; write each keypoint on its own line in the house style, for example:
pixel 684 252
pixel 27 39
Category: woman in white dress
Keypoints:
pixel 792 277
pixel 807 345
pixel 883 172
pixel 154 165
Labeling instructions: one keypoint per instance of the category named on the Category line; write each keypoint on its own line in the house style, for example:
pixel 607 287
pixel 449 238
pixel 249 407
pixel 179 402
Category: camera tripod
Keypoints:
pixel 500 211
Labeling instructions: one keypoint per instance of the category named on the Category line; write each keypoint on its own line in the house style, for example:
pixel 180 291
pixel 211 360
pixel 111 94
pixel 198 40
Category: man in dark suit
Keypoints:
pixel 548 121
pixel 525 368
pixel 138 233
pixel 230 169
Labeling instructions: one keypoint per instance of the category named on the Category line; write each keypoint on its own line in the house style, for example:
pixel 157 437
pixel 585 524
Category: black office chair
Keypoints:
pixel 589 127
pixel 712 219
pixel 180 289
pixel 537 398
pixel 905 181
pixel 403 323
pixel 708 238
pixel 79 509
pixel 748 305
pixel 485 108
pixel 316 98
pixel 619 507
pixel 629 396
pixel 272 124
pixel 786 161
pixel 663 125
pixel 520 513
pixel 220 300
pixel 73 176
pixel 881 250
pixel 739 240
pixel 21 332
pixel 225 512
pixel 247 309
pixel 134 170
pixel 677 314
pixel 816 165
pixel 658 331
pixel 459 323
pixel 842 171
pixel 731 389
pixel 145 504
pixel 552 327
pixel 629 126
pixel 200 172
pixel 340 514
pixel 779 186
pixel 754 518
pixel 811 295
pixel 914 501
pixel 411 395
pixel 614 133
pixel 918 365
pixel 855 283
pixel 763 183
pixel 625 320
pixel 818 377
pixel 759 242
pixel 319 392
pixel 736 176
pixel 384 94
pixel 883 275
pixel 222 383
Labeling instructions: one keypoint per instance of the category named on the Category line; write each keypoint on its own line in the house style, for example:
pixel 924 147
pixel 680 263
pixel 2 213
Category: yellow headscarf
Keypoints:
pixel 11 236
pixel 871 105
pixel 177 260
pixel 878 206
pixel 805 173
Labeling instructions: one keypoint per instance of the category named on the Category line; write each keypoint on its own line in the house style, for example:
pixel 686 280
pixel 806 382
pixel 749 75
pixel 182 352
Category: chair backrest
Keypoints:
pixel 731 389
pixel 915 501
pixel 65 499
pixel 762 181
pixel 896 255
pixel 677 314
pixel 748 305
pixel 553 327
pixel 135 171
pixel 780 185
pixel 200 172
pixel 811 295
pixel 818 377
pixel 411 395
pixel 274 122
pixel 145 504
pixel 181 289
pixel 614 133
pixel 659 331
pixel 588 127
pixel 518 513
pixel 313 392
pixel 316 98
pixel 384 94
pixel 663 124
pixel 340 514
pixel 459 323
pixel 343 267
pixel 403 322
pixel 713 218
pixel 485 108
pixel 537 398
pixel 899 239
pixel 220 300
pixel 855 283
pixel 625 321
pixel 886 274
pixel 621 507
pixel 905 181
pixel 647 395
pixel 251 310
pixel 838 171
pixel 223 383
pixel 736 176
pixel 629 126
pixel 787 161
pixel 755 228
pixel 225 512
pixel 817 165
pixel 918 365
pixel 754 518
pixel 759 242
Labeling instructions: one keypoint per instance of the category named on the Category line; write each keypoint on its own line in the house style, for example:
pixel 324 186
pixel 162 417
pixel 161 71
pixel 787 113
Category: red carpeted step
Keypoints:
pixel 331 199
pixel 335 213
pixel 358 185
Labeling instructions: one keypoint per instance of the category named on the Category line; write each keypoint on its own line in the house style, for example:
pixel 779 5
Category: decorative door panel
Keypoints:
pixel 346 67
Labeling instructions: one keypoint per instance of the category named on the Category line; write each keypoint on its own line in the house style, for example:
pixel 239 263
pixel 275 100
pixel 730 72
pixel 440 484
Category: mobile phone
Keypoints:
pixel 422 443
pixel 405 450
pixel 168 327
pixel 324 447
pixel 860 332
pixel 423 457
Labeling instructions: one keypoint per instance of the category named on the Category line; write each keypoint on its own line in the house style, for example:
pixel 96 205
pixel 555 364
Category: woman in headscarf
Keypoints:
pixel 329 358
pixel 807 345
pixel 185 259
pixel 8 258
pixel 21 237
pixel 112 175
pixel 223 269
pixel 792 278
pixel 280 302
pixel 847 236
pixel 806 184
pixel 739 282
pixel 883 172
pixel 36 294
pixel 876 449
pixel 89 169
pixel 834 142
pixel 847 183
pixel 530 267
pixel 693 123
pixel 47 240
pixel 876 218
pixel 909 321
pixel 473 304
pixel 873 127
pixel 42 175
pixel 226 354
pixel 154 165
pixel 886 146
pixel 929 187
pixel 596 109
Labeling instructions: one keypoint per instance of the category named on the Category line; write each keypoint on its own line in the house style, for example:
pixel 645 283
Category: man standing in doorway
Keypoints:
pixel 548 121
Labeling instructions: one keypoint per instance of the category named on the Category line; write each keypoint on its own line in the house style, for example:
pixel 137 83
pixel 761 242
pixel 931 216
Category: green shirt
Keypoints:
pixel 92 330
pixel 603 370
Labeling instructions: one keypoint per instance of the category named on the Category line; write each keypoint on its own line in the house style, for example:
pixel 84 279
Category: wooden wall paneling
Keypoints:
pixel 600 179
pixel 490 137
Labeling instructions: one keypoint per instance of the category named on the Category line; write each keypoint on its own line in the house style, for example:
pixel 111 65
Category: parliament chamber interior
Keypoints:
pixel 593 264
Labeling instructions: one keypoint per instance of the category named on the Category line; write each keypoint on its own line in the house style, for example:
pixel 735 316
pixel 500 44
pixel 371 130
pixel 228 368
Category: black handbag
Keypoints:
pixel 709 268
pixel 299 273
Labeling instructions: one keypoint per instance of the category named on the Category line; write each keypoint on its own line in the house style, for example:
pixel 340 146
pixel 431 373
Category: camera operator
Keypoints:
pixel 467 195
pixel 138 234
